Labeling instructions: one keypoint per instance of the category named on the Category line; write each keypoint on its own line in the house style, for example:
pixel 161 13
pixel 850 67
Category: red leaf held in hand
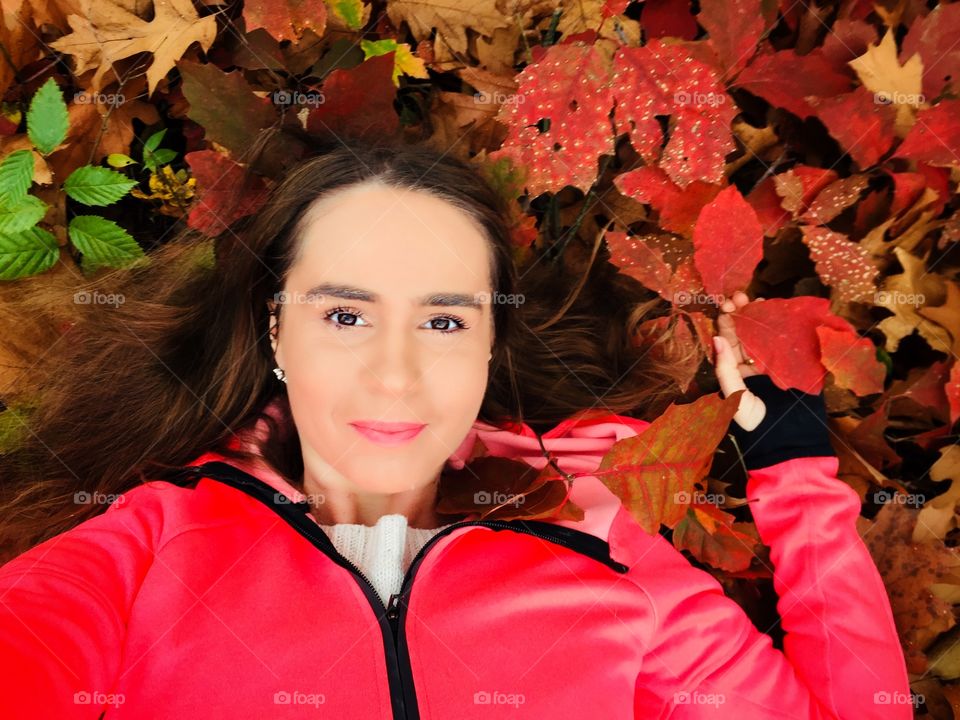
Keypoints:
pixel 728 243
pixel 781 336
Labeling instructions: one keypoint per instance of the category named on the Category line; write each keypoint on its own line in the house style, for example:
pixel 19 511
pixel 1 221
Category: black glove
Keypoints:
pixel 795 425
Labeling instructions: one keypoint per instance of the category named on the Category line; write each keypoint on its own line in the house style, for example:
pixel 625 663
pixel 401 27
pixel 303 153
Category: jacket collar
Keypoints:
pixel 578 444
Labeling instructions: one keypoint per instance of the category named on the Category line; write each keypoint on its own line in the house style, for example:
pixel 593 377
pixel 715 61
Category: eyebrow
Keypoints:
pixel 439 299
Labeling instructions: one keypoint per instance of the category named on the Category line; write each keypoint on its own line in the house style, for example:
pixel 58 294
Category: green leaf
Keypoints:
pixel 23 215
pixel 16 175
pixel 47 118
pixel 153 142
pixel 163 156
pixel 27 253
pixel 374 48
pixel 102 242
pixel 94 185
pixel 119 160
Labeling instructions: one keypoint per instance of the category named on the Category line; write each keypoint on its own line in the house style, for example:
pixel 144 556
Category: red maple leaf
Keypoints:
pixel 569 86
pixel 659 79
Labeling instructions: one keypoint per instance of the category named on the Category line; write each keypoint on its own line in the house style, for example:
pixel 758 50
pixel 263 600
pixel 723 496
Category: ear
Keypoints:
pixel 274 327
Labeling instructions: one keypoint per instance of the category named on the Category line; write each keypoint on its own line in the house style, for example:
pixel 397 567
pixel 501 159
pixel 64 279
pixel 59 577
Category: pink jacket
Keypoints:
pixel 226 600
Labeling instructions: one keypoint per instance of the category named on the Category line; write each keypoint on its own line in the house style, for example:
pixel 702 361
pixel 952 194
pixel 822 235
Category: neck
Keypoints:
pixel 332 505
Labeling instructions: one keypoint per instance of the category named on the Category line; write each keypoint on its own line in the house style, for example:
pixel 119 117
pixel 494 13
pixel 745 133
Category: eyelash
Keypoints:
pixel 354 311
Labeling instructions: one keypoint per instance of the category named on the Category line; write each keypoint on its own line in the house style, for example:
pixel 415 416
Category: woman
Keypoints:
pixel 350 343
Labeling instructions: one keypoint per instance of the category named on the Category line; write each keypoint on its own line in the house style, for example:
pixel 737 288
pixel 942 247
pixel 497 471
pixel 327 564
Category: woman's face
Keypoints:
pixel 389 355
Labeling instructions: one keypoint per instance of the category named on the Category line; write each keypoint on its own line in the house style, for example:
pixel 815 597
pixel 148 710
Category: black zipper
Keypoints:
pixel 391 616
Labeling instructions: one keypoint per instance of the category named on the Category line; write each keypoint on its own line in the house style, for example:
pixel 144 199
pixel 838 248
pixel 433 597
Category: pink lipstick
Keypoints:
pixel 387 433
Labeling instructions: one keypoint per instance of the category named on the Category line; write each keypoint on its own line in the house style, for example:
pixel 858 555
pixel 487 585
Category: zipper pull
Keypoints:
pixel 393 608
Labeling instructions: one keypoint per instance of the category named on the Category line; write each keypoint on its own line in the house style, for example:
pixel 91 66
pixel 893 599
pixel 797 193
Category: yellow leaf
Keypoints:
pixel 892 83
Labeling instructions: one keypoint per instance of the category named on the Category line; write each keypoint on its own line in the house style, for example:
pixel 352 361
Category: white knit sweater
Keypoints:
pixel 382 552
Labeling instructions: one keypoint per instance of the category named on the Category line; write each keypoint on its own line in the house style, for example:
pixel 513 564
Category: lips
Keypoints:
pixel 389 434
pixel 388 427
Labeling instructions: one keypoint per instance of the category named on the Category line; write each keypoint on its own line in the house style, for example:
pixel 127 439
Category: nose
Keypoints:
pixel 394 360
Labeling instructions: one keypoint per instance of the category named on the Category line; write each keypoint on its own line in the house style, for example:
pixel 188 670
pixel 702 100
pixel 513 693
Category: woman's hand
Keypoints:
pixel 730 365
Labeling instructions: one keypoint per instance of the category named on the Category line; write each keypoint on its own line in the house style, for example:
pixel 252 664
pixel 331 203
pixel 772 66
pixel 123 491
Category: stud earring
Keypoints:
pixel 280 374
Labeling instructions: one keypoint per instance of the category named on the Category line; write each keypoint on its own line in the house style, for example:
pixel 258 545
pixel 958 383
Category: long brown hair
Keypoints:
pixel 129 391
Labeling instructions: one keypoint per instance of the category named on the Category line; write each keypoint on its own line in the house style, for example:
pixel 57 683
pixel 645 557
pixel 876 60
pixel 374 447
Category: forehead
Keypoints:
pixel 395 239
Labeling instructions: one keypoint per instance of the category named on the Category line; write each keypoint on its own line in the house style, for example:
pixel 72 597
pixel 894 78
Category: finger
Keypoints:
pixel 751 409
pixel 727 329
pixel 728 375
pixel 740 298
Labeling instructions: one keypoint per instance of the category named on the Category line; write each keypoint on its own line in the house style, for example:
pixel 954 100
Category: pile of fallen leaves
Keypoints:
pixel 804 153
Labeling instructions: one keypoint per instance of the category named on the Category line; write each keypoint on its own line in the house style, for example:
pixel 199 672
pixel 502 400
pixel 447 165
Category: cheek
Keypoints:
pixel 456 387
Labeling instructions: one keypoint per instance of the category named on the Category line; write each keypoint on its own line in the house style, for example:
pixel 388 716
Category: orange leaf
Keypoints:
pixel 654 473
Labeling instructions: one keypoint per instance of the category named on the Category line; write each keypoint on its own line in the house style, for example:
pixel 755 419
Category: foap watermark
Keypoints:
pixel 499 298
pixel 699 698
pixel 483 497
pixel 882 497
pixel 95 697
pixel 699 98
pixel 684 297
pixel 496 697
pixel 287 297
pixel 496 97
pixel 884 697
pixel 82 497
pixel 295 97
pixel 685 498
pixel 313 498
pixel 98 98
pixel 95 297
pixel 895 297
pixel 296 697
pixel 893 97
